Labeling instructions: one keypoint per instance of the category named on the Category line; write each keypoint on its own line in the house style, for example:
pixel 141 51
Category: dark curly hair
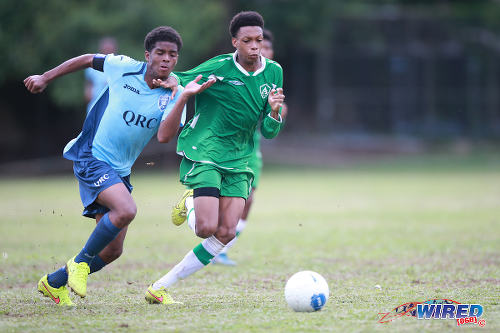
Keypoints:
pixel 245 19
pixel 162 34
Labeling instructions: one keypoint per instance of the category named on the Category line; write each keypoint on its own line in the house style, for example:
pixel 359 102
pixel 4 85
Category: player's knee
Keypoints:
pixel 205 230
pixel 225 235
pixel 125 215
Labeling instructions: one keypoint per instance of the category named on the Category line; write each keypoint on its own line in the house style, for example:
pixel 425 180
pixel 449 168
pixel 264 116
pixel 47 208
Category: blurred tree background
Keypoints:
pixel 423 69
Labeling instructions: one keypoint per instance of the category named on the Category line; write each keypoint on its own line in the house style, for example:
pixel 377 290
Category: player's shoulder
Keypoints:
pixel 222 57
pixel 220 60
pixel 123 61
pixel 273 65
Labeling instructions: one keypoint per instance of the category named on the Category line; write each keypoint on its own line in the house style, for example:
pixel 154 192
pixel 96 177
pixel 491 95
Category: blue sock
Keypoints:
pixel 97 264
pixel 102 235
pixel 59 278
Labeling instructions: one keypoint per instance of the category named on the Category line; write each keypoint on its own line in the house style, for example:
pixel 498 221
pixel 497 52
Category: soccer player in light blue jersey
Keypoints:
pixel 118 126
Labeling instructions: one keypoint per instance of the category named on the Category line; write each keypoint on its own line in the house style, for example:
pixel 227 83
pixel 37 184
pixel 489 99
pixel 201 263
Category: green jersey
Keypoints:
pixel 256 143
pixel 226 114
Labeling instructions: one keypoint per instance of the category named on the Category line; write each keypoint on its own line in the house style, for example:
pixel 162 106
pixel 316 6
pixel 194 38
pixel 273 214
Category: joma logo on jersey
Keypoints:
pixel 126 86
pixel 265 89
pixel 101 180
pixel 131 118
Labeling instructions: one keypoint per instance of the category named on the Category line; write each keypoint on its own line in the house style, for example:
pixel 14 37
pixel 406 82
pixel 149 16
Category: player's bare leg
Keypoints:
pixel 207 215
pixel 111 252
pixel 122 211
pixel 222 257
pixel 248 205
pixel 229 212
pixel 230 209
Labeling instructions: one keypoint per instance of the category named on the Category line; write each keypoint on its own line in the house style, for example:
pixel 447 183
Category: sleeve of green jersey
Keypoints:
pixel 205 69
pixel 270 127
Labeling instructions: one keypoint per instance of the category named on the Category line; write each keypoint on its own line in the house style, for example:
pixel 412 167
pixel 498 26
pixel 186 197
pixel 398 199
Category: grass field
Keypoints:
pixel 421 228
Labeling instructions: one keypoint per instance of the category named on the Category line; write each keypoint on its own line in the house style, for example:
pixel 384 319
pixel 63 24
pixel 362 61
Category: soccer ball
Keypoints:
pixel 306 291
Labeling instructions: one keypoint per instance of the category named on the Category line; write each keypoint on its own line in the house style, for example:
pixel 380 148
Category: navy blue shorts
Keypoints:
pixel 95 176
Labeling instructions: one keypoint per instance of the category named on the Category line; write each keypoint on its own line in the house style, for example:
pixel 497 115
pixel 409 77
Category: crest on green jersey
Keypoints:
pixel 265 89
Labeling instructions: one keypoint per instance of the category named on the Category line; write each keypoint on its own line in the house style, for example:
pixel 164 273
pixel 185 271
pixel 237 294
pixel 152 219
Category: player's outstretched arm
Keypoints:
pixel 169 127
pixel 37 83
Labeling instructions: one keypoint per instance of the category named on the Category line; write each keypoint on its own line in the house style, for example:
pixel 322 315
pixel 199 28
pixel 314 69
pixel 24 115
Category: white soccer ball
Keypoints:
pixel 306 291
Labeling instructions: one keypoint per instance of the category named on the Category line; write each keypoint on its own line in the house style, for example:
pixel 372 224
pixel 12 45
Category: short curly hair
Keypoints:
pixel 245 19
pixel 162 34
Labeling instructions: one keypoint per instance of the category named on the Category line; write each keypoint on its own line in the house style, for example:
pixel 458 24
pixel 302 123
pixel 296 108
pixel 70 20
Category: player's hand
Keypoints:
pixel 170 83
pixel 276 99
pixel 193 87
pixel 35 83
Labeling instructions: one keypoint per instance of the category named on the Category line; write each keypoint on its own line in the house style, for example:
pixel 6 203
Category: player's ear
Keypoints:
pixel 234 41
pixel 146 55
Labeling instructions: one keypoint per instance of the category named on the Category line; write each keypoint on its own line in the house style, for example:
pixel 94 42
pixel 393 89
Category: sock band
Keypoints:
pixel 203 255
pixel 206 192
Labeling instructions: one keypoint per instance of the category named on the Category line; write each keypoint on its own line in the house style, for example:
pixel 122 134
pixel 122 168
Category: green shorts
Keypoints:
pixel 255 163
pixel 230 182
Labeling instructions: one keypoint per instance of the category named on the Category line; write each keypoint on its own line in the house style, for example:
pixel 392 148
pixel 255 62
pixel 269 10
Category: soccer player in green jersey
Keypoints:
pixel 217 143
pixel 255 163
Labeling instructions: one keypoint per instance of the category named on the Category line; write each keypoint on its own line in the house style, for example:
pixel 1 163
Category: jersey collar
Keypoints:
pixel 244 71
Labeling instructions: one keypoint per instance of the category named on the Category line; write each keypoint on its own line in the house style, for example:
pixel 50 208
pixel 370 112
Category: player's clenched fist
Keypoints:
pixel 35 83
pixel 276 99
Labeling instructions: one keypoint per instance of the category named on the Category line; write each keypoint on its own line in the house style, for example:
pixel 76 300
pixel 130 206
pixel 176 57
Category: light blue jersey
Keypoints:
pixel 124 117
pixel 99 83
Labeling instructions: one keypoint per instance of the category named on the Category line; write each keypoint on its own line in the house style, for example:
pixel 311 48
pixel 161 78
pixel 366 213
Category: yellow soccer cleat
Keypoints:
pixel 60 295
pixel 159 296
pixel 179 211
pixel 77 276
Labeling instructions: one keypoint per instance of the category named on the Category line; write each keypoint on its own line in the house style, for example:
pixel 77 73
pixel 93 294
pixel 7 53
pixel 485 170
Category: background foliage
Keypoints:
pixel 427 69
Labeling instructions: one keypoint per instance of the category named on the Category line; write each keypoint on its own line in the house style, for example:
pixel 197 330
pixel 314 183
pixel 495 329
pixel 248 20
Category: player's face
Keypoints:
pixel 162 59
pixel 267 49
pixel 248 43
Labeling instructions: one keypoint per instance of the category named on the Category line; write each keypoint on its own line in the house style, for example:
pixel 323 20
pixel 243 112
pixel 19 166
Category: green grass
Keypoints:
pixel 421 228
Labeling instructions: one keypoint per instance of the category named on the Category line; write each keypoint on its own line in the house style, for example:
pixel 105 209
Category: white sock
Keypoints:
pixel 189 265
pixel 240 226
pixel 229 245
pixel 195 260
pixel 191 217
